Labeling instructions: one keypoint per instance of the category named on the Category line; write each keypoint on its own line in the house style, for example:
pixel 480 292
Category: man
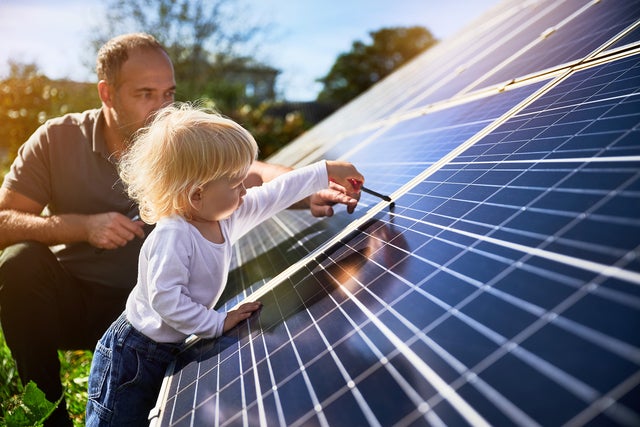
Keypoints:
pixel 65 275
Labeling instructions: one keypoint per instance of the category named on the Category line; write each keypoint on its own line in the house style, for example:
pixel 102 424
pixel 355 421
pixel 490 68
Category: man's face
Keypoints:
pixel 146 84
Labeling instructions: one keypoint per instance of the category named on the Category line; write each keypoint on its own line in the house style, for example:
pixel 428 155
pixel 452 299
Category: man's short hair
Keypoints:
pixel 115 52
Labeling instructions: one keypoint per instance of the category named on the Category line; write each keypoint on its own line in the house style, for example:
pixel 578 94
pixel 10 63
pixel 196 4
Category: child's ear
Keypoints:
pixel 196 194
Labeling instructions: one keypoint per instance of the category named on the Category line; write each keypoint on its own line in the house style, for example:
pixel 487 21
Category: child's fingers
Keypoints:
pixel 249 307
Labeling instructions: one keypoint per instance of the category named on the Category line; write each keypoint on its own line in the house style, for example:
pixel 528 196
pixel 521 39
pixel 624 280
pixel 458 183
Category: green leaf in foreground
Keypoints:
pixel 31 409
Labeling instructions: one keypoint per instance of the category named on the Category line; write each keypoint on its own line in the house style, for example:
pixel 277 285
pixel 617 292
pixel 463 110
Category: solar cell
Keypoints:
pixel 502 288
pixel 591 26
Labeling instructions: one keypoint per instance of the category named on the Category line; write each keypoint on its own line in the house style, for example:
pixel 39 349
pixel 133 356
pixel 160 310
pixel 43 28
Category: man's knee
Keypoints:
pixel 23 265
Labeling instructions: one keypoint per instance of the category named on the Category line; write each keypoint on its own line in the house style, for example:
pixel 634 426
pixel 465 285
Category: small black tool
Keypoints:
pixel 375 193
pixel 357 185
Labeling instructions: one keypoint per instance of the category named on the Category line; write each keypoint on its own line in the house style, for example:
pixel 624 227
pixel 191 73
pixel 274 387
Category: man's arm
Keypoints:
pixel 321 203
pixel 20 220
pixel 261 172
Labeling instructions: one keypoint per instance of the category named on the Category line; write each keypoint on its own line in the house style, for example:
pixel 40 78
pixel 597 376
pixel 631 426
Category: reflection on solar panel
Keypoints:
pixel 503 287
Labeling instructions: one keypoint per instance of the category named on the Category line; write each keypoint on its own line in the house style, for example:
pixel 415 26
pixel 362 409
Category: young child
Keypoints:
pixel 186 171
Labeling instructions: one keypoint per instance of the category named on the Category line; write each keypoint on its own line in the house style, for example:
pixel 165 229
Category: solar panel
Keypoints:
pixel 501 288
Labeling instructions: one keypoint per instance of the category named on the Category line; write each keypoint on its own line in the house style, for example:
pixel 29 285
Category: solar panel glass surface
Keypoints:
pixel 502 288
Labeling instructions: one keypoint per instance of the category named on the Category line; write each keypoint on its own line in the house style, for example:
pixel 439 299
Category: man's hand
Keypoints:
pixel 112 230
pixel 243 312
pixel 322 202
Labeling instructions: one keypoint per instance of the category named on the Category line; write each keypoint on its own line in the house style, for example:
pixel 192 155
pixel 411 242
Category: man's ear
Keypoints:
pixel 104 92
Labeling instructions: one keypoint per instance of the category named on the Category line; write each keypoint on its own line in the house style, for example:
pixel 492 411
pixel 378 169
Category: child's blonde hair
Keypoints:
pixel 182 149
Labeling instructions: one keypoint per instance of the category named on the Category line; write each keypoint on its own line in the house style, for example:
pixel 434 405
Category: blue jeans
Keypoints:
pixel 126 375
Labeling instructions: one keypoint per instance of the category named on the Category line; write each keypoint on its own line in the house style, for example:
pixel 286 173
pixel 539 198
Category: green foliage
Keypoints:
pixel 271 132
pixel 9 381
pixel 28 99
pixel 31 408
pixel 75 367
pixel 366 64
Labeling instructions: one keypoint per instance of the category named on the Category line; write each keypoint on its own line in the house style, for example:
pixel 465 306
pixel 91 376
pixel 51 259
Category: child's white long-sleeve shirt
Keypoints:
pixel 181 275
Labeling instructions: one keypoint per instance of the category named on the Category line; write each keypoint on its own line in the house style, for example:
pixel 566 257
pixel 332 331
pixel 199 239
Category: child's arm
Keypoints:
pixel 267 200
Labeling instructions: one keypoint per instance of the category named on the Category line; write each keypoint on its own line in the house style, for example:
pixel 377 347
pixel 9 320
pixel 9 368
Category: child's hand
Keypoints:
pixel 345 178
pixel 241 313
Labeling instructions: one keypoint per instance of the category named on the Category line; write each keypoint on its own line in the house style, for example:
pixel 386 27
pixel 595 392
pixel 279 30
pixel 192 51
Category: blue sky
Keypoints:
pixel 306 38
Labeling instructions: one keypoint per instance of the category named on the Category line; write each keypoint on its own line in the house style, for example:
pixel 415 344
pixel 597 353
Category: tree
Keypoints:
pixel 362 67
pixel 28 98
pixel 210 43
pixel 203 38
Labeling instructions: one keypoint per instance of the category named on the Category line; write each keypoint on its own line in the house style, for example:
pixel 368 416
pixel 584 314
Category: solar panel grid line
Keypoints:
pixel 243 388
pixel 279 410
pixel 612 42
pixel 189 343
pixel 525 48
pixel 510 299
pixel 256 379
pixel 273 380
pixel 606 270
pixel 312 394
pixel 571 170
pixel 556 374
pixel 608 159
pixel 623 349
pixel 244 413
pixel 567 381
pixel 349 387
pixel 460 148
pixel 362 403
pixel 418 401
pixel 379 92
pixel 479 57
pixel 309 257
pixel 476 284
pixel 387 123
pixel 195 397
pixel 605 197
pixel 624 41
pixel 329 138
pixel 216 417
pixel 431 376
pixel 596 25
pixel 554 317
pixel 567 242
pixel 606 401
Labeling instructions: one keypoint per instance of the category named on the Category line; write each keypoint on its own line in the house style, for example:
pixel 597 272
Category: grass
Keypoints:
pixel 74 373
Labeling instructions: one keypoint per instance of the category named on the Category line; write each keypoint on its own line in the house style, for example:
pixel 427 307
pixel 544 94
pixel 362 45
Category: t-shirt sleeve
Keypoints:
pixel 30 172
pixel 274 196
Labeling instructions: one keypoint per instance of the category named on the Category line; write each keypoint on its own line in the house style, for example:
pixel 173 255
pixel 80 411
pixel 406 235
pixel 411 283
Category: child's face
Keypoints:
pixel 218 199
